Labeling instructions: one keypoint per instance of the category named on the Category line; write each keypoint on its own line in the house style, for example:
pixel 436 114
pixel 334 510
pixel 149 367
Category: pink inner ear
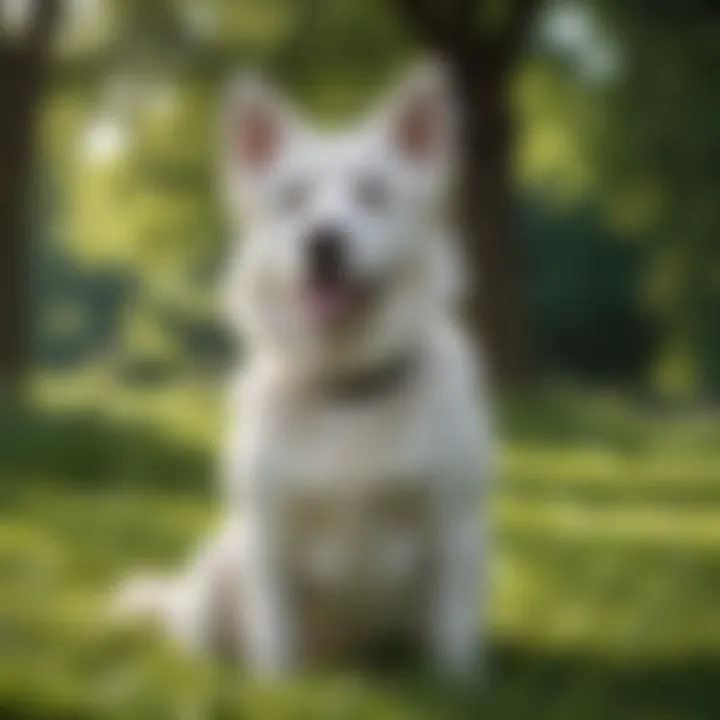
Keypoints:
pixel 418 127
pixel 258 137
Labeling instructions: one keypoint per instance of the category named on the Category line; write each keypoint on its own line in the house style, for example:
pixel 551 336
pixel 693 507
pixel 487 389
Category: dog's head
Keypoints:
pixel 342 252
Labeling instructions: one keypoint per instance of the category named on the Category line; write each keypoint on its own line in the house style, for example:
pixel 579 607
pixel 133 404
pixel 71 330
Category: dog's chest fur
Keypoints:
pixel 355 505
pixel 335 446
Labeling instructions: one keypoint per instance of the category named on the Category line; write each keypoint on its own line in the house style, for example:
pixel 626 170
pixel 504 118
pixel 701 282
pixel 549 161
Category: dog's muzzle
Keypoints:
pixel 326 262
pixel 332 295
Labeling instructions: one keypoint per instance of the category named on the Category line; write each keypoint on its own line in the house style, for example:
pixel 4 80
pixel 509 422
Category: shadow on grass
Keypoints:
pixel 87 448
pixel 568 417
pixel 539 683
pixel 523 684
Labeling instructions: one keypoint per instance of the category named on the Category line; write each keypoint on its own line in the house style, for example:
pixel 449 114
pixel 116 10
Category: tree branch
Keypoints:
pixel 431 26
pixel 463 25
pixel 43 20
pixel 447 26
pixel 517 27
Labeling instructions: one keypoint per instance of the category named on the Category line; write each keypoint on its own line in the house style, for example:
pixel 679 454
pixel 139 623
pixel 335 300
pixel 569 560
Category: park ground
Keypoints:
pixel 606 564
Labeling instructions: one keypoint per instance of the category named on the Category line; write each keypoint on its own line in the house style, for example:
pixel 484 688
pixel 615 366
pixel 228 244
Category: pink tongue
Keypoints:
pixel 327 305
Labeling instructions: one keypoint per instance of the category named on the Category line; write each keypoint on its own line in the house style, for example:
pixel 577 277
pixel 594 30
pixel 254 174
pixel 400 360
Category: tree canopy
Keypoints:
pixel 618 123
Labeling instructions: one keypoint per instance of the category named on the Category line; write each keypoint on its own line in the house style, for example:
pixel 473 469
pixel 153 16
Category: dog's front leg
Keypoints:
pixel 454 631
pixel 266 625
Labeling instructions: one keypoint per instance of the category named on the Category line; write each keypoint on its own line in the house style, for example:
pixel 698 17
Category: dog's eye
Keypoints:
pixel 293 196
pixel 372 193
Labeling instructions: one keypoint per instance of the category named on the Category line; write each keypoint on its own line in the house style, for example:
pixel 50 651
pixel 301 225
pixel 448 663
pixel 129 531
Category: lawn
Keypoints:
pixel 606 564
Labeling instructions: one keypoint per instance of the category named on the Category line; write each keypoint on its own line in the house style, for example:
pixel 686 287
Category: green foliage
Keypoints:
pixel 637 144
pixel 586 312
pixel 620 171
pixel 657 161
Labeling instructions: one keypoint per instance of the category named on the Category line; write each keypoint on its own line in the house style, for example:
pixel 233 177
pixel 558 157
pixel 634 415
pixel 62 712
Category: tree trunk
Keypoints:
pixel 23 65
pixel 495 306
pixel 481 63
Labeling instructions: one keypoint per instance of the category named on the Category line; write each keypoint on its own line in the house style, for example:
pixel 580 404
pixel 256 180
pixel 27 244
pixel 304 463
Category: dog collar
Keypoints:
pixel 373 382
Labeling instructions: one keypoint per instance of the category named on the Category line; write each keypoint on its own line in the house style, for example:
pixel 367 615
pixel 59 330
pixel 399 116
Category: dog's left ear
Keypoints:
pixel 258 122
pixel 420 116
pixel 258 126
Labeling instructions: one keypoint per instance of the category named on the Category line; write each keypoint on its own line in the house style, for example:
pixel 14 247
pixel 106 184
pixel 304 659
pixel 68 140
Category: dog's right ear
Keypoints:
pixel 419 117
pixel 257 126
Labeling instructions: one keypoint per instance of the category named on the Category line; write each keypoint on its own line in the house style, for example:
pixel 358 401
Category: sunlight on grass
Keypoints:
pixel 608 545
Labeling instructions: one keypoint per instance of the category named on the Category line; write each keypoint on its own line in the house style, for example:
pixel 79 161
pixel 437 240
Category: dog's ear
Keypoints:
pixel 420 116
pixel 257 125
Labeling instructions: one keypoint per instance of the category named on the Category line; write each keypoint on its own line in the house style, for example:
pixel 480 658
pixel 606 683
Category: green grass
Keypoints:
pixel 606 565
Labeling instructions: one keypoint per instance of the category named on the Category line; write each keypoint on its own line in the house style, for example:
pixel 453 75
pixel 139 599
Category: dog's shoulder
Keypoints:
pixel 461 397
pixel 455 358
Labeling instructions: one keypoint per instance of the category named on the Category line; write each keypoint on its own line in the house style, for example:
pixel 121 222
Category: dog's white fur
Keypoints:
pixel 289 441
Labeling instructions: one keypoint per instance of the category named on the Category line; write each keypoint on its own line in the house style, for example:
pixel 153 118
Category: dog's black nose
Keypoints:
pixel 325 256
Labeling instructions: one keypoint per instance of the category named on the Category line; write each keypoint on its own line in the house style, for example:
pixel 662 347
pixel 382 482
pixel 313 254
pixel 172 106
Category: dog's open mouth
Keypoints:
pixel 330 305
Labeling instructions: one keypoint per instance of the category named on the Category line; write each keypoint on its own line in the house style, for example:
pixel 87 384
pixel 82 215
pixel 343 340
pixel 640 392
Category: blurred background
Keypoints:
pixel 591 214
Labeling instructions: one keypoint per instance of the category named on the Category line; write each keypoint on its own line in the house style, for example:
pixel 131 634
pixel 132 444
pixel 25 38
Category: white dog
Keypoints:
pixel 358 445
